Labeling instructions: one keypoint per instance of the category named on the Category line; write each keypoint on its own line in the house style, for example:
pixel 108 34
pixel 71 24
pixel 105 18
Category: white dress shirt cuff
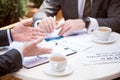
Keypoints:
pixel 20 51
pixel 18 46
pixel 37 23
pixel 93 25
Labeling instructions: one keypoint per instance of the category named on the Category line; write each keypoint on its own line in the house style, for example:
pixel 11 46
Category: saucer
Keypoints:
pixel 111 40
pixel 67 71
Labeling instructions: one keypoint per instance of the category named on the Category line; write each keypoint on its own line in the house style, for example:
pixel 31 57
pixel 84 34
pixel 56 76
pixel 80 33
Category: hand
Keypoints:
pixel 23 32
pixel 31 48
pixel 69 26
pixel 47 24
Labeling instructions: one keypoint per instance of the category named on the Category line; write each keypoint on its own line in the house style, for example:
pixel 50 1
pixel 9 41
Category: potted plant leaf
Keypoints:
pixel 11 11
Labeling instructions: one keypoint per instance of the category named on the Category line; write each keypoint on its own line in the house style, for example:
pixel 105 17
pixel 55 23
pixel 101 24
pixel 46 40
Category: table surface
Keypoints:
pixel 80 71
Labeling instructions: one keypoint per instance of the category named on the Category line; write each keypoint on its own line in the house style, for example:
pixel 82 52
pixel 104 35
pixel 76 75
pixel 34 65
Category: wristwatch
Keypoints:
pixel 87 21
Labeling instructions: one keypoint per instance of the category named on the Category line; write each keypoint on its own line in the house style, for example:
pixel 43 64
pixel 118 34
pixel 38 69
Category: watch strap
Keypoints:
pixel 87 22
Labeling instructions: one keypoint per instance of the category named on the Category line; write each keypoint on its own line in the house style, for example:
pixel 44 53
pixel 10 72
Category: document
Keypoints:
pixel 66 45
pixel 30 62
pixel 77 43
pixel 101 55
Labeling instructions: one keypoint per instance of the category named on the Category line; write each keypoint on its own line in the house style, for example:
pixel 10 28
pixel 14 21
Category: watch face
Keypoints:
pixel 87 22
pixel 87 19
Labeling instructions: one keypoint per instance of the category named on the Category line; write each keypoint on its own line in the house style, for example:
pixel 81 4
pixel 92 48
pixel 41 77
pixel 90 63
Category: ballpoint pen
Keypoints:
pixel 53 38
pixel 60 37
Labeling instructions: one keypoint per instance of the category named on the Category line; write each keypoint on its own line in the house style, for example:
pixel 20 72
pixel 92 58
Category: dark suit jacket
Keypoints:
pixel 10 61
pixel 3 38
pixel 107 12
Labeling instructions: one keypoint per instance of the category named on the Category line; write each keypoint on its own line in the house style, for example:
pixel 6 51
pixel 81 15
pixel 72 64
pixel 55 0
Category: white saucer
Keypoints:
pixel 67 71
pixel 1 48
pixel 111 40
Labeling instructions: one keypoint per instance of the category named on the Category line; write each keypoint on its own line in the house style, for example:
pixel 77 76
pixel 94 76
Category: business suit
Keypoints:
pixel 107 12
pixel 3 38
pixel 10 61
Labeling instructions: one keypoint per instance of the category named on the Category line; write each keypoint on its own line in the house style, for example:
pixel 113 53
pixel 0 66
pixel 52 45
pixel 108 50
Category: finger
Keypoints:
pixel 38 34
pixel 52 24
pixel 67 32
pixel 49 24
pixel 64 30
pixel 39 40
pixel 60 23
pixel 44 25
pixel 45 50
pixel 27 22
pixel 38 30
pixel 35 42
pixel 60 26
pixel 35 37
pixel 40 24
pixel 56 25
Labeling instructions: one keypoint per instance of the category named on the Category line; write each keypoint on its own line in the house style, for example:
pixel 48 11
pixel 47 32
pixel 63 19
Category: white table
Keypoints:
pixel 80 71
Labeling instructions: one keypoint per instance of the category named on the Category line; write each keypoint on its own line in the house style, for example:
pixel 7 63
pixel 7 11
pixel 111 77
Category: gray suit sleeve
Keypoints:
pixel 113 19
pixel 11 61
pixel 48 8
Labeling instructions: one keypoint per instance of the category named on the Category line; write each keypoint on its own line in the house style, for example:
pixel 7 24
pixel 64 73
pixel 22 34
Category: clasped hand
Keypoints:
pixel 48 25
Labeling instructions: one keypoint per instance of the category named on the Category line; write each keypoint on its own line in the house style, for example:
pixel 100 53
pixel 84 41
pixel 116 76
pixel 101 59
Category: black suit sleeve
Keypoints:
pixel 112 18
pixel 11 61
pixel 3 38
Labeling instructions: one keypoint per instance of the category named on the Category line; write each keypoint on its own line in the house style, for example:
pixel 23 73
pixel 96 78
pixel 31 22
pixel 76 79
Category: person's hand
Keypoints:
pixel 69 26
pixel 23 32
pixel 47 24
pixel 31 48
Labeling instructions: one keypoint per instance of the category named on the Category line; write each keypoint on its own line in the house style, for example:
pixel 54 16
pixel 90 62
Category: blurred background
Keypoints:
pixel 12 11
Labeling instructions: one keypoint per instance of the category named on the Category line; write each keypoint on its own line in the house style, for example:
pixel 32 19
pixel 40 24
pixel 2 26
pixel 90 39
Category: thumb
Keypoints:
pixel 60 23
pixel 27 22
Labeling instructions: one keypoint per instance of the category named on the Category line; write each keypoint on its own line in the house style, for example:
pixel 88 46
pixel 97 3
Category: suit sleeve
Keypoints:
pixel 113 16
pixel 48 8
pixel 3 38
pixel 11 61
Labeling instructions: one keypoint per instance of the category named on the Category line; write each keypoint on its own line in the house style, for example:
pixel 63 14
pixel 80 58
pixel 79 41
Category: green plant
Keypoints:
pixel 37 3
pixel 11 11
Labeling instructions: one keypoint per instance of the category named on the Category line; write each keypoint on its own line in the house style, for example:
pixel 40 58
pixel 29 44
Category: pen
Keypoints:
pixel 59 37
pixel 74 34
pixel 71 53
pixel 53 38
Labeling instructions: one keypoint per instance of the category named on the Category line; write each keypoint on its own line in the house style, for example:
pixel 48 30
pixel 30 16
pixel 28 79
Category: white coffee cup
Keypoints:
pixel 58 62
pixel 102 33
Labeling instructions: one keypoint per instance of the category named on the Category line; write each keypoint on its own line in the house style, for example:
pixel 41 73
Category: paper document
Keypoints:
pixel 76 43
pixel 101 55
pixel 30 62
pixel 65 45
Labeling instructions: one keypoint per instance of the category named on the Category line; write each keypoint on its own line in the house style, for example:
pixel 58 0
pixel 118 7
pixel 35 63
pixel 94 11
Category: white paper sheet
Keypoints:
pixel 101 55
pixel 78 43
